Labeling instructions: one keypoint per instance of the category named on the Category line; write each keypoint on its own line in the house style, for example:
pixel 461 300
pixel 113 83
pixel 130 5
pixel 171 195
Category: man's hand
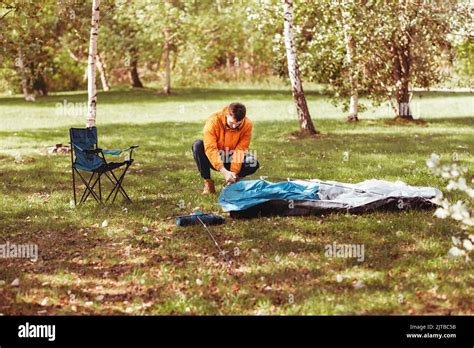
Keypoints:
pixel 229 176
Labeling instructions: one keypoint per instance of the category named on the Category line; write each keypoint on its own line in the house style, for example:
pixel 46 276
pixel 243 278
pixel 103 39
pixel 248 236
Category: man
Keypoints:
pixel 227 136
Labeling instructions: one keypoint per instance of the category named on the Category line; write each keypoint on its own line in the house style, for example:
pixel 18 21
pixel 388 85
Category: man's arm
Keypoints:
pixel 210 145
pixel 241 149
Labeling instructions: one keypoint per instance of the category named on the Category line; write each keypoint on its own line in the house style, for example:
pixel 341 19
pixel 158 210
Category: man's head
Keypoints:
pixel 236 115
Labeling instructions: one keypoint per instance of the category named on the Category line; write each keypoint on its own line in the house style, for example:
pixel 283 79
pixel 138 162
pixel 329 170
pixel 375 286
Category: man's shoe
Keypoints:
pixel 208 187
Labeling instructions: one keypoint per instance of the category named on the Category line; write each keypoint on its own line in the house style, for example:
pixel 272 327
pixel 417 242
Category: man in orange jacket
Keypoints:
pixel 227 136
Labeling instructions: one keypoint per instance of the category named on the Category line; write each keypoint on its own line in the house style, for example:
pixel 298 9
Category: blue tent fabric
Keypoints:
pixel 333 196
pixel 248 193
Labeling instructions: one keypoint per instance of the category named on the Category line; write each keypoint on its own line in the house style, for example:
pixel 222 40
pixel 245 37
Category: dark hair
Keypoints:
pixel 237 110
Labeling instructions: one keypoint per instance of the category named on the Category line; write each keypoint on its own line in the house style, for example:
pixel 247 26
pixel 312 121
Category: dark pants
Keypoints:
pixel 249 165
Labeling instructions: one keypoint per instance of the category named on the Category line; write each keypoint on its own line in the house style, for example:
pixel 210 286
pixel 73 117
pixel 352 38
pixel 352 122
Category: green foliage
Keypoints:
pixel 233 41
pixel 465 60
pixel 66 74
pixel 29 40
pixel 383 33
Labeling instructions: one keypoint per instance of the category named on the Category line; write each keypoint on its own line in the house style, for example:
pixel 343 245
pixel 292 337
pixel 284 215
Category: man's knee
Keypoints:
pixel 198 146
pixel 251 165
pixel 254 166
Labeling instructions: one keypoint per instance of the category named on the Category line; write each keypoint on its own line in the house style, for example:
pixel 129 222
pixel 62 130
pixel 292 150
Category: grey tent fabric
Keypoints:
pixel 356 198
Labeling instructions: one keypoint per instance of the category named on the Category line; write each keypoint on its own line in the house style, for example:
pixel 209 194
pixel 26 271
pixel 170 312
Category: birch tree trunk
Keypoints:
pixel 354 102
pixel 91 87
pixel 103 72
pixel 306 124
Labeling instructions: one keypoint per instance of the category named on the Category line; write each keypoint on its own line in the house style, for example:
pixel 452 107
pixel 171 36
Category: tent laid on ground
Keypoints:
pixel 253 198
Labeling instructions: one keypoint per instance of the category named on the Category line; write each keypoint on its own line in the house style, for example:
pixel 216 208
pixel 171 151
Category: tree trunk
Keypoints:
pixel 167 88
pixel 73 55
pixel 134 77
pixel 91 87
pixel 103 72
pixel 402 63
pixel 403 100
pixel 25 78
pixel 403 91
pixel 306 124
pixel 40 88
pixel 350 47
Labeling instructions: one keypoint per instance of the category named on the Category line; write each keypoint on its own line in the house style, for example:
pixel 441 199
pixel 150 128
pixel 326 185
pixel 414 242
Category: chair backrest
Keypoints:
pixel 85 139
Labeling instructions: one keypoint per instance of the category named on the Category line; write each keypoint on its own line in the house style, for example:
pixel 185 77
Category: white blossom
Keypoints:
pixel 467 244
pixel 456 240
pixel 441 213
pixel 455 252
pixel 459 211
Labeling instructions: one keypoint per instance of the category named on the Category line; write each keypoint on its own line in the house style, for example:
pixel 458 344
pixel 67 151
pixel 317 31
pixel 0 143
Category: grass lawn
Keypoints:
pixel 141 263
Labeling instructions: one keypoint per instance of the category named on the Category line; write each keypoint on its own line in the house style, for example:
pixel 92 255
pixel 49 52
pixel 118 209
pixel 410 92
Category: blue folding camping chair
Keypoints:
pixel 86 156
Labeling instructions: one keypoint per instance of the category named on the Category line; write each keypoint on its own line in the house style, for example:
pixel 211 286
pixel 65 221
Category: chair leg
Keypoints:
pixel 74 186
pixel 100 188
pixel 120 187
pixel 91 188
pixel 88 190
pixel 114 189
pixel 117 185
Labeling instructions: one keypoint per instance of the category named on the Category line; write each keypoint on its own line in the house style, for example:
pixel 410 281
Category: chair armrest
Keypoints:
pixel 118 152
pixel 112 152
pixel 96 151
pixel 88 151
pixel 131 148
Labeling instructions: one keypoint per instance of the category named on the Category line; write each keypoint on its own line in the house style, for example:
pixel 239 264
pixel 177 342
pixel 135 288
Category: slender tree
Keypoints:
pixel 134 76
pixel 25 84
pixel 167 87
pixel 306 124
pixel 91 87
pixel 104 78
pixel 351 67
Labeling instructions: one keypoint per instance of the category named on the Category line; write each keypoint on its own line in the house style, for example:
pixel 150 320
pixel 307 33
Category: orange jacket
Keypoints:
pixel 219 138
